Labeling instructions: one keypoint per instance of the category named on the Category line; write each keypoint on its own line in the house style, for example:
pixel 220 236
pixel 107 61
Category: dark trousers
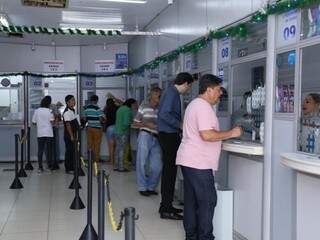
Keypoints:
pixel 169 143
pixel 45 145
pixel 200 199
pixel 69 154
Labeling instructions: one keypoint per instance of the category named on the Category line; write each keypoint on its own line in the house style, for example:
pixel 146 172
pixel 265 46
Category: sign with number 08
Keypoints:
pixel 224 47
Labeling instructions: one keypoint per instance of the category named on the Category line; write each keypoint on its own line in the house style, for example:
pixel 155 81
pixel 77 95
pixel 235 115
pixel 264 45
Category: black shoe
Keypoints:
pixel 144 193
pixel 123 170
pixel 171 215
pixel 55 167
pixel 176 210
pixel 152 192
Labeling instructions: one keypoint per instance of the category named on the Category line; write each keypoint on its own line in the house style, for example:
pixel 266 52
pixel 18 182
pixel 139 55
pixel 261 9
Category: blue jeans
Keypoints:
pixel 121 142
pixel 148 162
pixel 200 199
pixel 110 133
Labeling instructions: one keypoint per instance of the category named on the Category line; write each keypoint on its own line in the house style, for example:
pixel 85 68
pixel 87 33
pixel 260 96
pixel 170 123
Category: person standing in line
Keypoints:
pixel 169 128
pixel 124 118
pixel 110 111
pixel 148 162
pixel 198 156
pixel 71 131
pixel 43 119
pixel 95 117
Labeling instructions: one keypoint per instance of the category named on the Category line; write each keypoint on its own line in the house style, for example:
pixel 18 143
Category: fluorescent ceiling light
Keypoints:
pixel 93 27
pixel 91 17
pixel 126 1
pixel 140 33
pixel 4 20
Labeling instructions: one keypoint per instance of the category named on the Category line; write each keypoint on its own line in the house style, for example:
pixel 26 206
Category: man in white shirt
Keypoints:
pixel 43 118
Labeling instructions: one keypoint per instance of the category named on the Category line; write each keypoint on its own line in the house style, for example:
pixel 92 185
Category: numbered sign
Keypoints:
pixel 224 50
pixel 53 66
pixel 287 28
pixel 88 83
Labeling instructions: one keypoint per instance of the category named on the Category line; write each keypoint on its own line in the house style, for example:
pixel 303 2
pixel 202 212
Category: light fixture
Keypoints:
pixel 83 27
pixel 4 21
pixel 140 33
pixel 126 1
pixel 91 17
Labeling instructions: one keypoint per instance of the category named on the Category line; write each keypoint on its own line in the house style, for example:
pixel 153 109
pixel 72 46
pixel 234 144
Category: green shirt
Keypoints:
pixel 124 118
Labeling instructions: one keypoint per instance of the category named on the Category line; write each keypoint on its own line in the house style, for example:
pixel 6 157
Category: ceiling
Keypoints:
pixel 88 12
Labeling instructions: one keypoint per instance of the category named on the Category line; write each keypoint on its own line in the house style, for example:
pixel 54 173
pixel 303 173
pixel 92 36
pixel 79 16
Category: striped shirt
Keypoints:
pixel 146 113
pixel 93 114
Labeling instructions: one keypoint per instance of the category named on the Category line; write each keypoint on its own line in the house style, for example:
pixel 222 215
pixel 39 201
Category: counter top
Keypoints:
pixel 302 162
pixel 244 147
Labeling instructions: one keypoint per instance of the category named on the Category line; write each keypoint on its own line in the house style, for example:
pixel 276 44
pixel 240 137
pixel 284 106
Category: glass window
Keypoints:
pixel 309 127
pixel 284 92
pixel 11 98
pixel 248 97
pixel 223 73
pixel 310 26
pixel 254 42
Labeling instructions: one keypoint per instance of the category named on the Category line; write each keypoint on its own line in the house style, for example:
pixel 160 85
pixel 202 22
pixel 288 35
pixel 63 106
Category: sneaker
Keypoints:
pixel 144 193
pixel 152 192
pixel 40 170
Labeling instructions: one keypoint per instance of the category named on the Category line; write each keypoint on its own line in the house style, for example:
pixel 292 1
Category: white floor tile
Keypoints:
pixel 41 211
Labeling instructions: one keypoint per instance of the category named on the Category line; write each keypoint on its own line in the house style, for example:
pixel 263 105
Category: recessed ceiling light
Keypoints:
pixel 91 17
pixel 92 27
pixel 126 1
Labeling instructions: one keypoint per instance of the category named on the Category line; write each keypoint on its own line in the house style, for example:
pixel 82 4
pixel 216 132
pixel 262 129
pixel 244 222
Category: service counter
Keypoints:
pixel 307 192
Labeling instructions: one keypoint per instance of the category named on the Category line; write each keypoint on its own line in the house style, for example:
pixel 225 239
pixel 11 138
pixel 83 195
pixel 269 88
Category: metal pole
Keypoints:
pixel 130 218
pixel 22 172
pixel 28 165
pixel 16 184
pixel 101 204
pixel 89 232
pixel 77 202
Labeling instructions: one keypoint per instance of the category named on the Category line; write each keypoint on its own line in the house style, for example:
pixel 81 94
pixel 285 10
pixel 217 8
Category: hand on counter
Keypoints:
pixel 236 132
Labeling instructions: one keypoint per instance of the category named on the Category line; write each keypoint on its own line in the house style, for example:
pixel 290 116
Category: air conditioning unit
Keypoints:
pixel 46 3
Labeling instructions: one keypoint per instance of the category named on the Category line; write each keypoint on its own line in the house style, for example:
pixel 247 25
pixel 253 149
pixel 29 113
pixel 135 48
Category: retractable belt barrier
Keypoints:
pixel 127 216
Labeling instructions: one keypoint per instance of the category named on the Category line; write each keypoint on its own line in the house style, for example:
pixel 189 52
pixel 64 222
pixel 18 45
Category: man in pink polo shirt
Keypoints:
pixel 198 156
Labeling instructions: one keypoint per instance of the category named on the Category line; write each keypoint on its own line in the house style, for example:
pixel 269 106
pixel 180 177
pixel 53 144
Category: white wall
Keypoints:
pixel 187 20
pixel 21 58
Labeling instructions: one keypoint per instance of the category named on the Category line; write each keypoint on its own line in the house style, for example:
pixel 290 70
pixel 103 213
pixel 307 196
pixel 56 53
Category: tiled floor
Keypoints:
pixel 41 211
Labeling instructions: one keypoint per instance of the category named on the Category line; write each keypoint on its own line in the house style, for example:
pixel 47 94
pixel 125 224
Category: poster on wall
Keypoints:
pixel 53 66
pixel 187 62
pixel 288 28
pixel 224 50
pixel 104 66
pixel 121 61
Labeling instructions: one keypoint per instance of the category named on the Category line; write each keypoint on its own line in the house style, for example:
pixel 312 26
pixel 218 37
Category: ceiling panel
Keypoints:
pixel 94 11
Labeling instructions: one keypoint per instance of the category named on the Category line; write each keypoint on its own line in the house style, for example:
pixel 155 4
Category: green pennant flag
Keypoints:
pixel 5 29
pixel 55 31
pixel 79 32
pixel 71 31
pixel 61 31
pixel 34 30
pixel 19 29
pixel 102 33
pixel 12 29
pixel 26 29
pixel 109 33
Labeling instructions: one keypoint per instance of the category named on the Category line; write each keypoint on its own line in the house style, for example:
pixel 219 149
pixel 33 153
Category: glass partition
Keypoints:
pixel 284 92
pixel 248 98
pixel 11 99
pixel 309 127
pixel 310 26
pixel 254 42
pixel 223 73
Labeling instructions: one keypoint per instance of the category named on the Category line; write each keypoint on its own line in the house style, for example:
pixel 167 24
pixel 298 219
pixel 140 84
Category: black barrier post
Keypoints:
pixel 130 218
pixel 28 165
pixel 16 184
pixel 22 172
pixel 81 172
pixel 89 233
pixel 75 182
pixel 77 202
pixel 101 204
